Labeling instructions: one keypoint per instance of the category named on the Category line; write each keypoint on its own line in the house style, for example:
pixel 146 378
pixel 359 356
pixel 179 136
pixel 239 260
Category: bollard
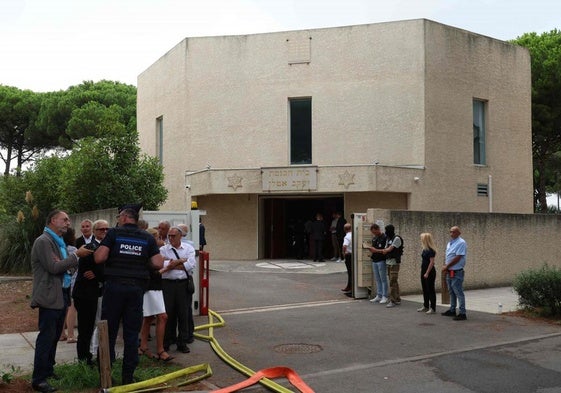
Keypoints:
pixel 445 294
pixel 104 357
pixel 204 273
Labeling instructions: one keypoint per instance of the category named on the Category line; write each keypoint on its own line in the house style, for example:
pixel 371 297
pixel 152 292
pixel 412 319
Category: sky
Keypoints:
pixel 49 45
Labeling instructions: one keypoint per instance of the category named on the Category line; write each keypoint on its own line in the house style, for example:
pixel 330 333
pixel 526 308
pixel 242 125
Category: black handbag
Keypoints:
pixel 190 284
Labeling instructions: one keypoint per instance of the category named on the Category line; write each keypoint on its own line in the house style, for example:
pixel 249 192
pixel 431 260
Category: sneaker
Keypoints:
pixel 422 309
pixel 431 311
pixel 448 313
pixel 391 304
pixel 460 317
pixel 333 259
pixel 397 302
pixel 376 299
pixel 384 300
pixel 339 260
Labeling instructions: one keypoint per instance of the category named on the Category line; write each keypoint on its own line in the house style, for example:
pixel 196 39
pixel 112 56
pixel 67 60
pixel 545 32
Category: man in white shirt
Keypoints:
pixel 179 262
pixel 348 253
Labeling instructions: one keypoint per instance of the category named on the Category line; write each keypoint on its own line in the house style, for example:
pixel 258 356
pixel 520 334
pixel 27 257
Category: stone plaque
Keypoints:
pixel 289 179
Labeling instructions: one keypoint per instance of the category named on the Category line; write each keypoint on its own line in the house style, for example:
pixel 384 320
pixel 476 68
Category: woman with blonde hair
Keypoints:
pixel 428 274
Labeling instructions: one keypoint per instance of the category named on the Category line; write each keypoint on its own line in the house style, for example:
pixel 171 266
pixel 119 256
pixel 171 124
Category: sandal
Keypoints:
pixel 166 359
pixel 62 338
pixel 146 352
pixel 71 340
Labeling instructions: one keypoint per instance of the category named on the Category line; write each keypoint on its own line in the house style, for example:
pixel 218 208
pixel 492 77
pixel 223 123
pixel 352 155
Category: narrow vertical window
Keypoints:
pixel 479 132
pixel 160 139
pixel 300 131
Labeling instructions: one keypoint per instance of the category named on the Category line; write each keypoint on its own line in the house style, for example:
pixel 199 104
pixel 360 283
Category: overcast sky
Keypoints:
pixel 48 45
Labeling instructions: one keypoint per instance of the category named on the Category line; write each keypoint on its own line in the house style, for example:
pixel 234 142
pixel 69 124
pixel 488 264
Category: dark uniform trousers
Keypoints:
pixel 122 298
pixel 177 301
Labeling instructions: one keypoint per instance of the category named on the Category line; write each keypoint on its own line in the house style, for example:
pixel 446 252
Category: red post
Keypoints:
pixel 204 278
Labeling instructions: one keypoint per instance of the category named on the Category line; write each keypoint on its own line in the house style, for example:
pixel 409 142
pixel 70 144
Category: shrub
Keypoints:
pixel 8 375
pixel 540 289
pixel 17 236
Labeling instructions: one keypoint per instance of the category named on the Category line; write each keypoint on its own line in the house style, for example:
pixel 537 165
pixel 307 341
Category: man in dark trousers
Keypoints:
pixel 87 290
pixel 317 234
pixel 50 261
pixel 129 253
pixel 179 262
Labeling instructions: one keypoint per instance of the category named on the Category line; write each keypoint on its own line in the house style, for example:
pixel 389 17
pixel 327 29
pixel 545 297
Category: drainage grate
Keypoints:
pixel 298 348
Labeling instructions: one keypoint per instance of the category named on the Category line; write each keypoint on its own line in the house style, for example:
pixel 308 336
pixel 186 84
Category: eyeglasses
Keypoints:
pixel 173 235
pixel 102 229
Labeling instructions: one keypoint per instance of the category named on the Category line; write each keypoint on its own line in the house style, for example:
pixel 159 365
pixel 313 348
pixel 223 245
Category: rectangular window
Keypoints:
pixel 479 132
pixel 300 131
pixel 160 139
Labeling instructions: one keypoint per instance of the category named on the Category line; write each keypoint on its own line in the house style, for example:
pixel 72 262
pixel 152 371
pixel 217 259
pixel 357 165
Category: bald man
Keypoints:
pixel 456 251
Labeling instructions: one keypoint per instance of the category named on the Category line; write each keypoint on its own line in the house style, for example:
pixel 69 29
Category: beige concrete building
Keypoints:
pixel 262 130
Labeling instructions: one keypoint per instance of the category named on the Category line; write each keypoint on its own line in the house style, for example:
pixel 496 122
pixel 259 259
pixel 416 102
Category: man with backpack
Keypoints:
pixel 393 252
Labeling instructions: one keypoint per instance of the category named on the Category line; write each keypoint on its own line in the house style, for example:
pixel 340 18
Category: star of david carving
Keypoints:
pixel 346 179
pixel 235 182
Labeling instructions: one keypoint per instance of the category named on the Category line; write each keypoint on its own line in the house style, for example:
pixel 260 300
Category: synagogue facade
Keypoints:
pixel 264 131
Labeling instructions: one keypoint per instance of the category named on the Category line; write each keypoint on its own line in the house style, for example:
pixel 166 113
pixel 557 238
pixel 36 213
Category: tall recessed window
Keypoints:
pixel 479 132
pixel 300 131
pixel 160 139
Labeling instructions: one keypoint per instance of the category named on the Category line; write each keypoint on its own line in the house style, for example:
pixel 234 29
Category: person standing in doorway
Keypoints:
pixel 456 251
pixel 318 235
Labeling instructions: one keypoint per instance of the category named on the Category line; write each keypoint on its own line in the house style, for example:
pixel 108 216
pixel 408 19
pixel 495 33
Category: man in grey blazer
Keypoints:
pixel 51 293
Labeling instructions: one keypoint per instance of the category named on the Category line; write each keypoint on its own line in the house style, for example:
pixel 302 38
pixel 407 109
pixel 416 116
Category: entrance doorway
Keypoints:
pixel 284 221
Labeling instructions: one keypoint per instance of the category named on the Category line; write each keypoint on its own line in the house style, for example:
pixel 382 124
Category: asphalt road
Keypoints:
pixel 337 344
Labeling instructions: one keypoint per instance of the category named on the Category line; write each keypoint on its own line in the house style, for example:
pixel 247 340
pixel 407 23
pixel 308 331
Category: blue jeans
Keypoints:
pixel 123 302
pixel 455 287
pixel 381 277
pixel 51 323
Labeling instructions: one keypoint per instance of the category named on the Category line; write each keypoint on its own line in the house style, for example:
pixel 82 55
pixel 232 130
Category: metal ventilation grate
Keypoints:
pixel 482 190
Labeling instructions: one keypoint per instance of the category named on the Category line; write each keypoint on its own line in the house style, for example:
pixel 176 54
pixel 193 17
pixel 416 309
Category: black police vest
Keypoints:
pixel 396 253
pixel 379 243
pixel 129 255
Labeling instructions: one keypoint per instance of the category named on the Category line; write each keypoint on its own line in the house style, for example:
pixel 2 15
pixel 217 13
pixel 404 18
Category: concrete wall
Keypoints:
pixel 108 215
pixel 499 246
pixel 231 231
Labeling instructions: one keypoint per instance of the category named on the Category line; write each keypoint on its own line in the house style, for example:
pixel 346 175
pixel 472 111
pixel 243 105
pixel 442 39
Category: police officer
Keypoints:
pixel 129 254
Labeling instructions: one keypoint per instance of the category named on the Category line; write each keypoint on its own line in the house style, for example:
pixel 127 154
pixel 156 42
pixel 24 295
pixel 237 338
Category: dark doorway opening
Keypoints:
pixel 284 225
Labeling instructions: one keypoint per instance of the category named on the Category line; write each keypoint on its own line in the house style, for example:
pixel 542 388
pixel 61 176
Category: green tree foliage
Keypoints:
pixel 109 172
pixel 545 51
pixel 18 113
pixel 89 109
